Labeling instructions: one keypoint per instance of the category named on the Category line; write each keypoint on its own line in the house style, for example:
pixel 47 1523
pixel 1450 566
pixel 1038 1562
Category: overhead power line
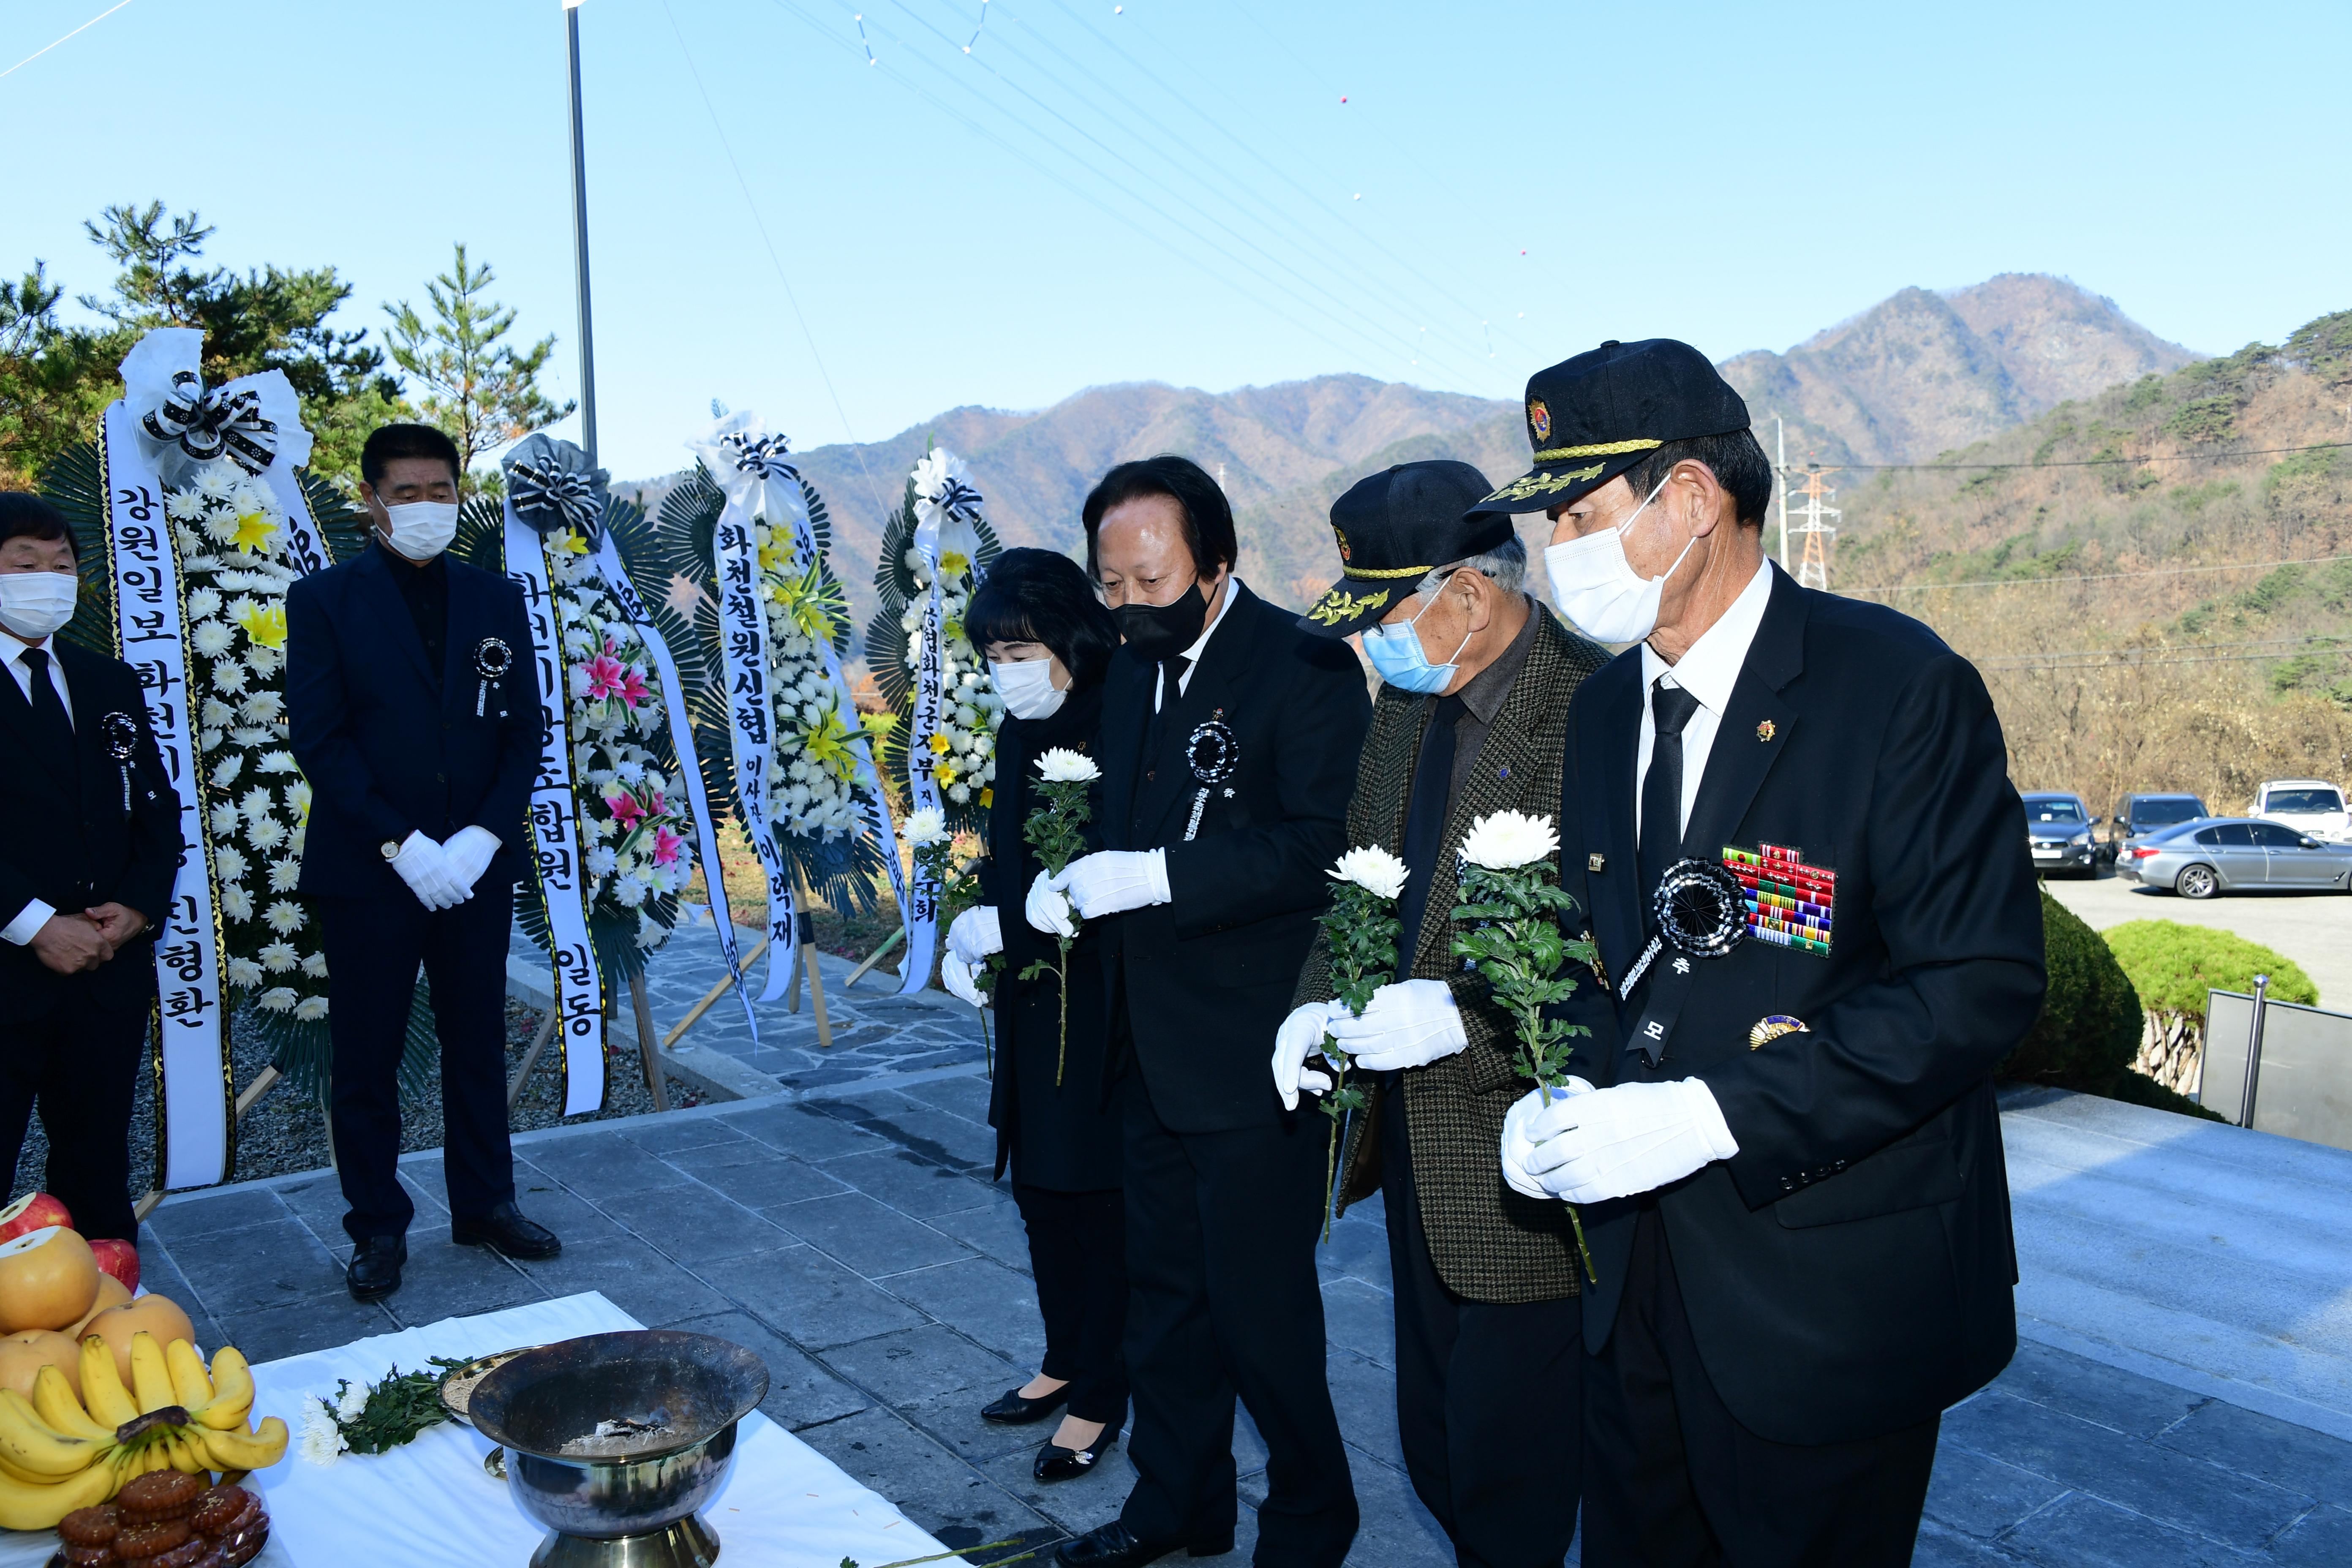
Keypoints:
pixel 45 49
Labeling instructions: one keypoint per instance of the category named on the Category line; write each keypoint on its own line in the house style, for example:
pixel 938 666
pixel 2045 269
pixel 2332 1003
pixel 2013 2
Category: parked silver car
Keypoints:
pixel 2217 855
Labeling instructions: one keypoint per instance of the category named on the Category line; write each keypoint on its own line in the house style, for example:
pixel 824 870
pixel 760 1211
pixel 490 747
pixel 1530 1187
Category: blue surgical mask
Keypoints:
pixel 1396 654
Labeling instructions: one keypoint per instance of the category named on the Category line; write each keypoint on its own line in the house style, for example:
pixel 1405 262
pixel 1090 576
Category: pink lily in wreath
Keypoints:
pixel 606 675
pixel 632 689
pixel 667 846
pixel 625 810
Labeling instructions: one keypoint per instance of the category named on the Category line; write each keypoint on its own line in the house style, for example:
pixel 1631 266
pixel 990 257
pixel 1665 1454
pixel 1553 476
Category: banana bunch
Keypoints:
pixel 58 1453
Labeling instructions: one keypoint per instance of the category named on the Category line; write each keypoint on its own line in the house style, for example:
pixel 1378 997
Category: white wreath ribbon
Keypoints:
pixel 945 508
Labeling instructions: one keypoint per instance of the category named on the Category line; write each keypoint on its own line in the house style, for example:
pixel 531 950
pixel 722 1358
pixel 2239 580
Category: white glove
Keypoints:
pixel 1113 882
pixel 1533 1115
pixel 1403 1025
pixel 1634 1138
pixel 1295 1043
pixel 962 979
pixel 1047 908
pixel 975 934
pixel 470 851
pixel 423 864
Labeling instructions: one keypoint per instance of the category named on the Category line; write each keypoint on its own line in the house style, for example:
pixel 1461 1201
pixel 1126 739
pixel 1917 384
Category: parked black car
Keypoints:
pixel 2058 834
pixel 2140 814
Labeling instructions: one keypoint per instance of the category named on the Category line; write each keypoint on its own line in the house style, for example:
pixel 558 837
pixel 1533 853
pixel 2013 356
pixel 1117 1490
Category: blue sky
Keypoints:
pixel 1176 191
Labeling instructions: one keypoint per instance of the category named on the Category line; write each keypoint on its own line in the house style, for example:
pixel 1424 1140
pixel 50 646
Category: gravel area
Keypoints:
pixel 286 1132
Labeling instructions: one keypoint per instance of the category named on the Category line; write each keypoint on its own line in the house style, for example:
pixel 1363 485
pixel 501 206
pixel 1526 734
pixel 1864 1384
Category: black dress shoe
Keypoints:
pixel 1113 1545
pixel 1055 1463
pixel 375 1268
pixel 505 1229
pixel 1014 1411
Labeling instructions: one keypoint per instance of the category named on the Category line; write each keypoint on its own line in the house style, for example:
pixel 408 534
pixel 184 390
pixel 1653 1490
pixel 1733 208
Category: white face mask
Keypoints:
pixel 1596 588
pixel 423 528
pixel 1027 687
pixel 34 604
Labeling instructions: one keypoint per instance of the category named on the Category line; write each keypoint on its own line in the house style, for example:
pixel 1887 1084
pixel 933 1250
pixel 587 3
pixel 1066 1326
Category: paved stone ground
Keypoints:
pixel 852 1237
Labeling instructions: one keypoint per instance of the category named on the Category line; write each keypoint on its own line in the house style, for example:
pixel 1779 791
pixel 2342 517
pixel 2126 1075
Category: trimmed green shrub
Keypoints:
pixel 2090 1026
pixel 2172 966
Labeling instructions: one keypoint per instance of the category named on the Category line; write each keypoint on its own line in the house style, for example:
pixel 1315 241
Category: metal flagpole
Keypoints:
pixel 580 243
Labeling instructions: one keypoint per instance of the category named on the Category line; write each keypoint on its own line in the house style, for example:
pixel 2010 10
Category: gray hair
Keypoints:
pixel 1505 565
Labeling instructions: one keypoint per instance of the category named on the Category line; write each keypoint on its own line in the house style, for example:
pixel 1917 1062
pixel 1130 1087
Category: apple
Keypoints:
pixel 118 1258
pixel 34 1211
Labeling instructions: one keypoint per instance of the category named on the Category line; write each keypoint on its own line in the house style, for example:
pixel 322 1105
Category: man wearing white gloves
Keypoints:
pixel 1228 745
pixel 415 719
pixel 1787 819
pixel 1470 719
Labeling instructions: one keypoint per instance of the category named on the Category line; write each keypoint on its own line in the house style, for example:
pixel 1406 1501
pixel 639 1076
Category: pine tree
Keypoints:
pixel 482 392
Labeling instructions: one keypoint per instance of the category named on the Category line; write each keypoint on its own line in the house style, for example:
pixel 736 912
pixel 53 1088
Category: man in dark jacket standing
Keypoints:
pixel 1789 820
pixel 86 875
pixel 409 693
pixel 1470 719
pixel 1228 747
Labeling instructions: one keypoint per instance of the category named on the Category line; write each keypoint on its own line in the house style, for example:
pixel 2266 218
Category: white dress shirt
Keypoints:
pixel 28 921
pixel 1708 669
pixel 1193 654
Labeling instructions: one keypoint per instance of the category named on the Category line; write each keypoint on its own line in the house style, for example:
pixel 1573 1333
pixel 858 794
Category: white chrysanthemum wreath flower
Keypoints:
pixel 1508 840
pixel 1372 869
pixel 813 767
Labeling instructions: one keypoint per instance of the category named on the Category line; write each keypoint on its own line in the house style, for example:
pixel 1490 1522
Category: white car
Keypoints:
pixel 2312 806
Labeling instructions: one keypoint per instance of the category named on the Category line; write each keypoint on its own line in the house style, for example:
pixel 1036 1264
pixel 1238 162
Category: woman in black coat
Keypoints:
pixel 1049 639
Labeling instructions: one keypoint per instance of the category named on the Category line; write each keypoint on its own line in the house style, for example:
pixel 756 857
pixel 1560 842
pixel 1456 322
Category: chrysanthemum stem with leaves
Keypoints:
pixel 1360 934
pixel 1055 829
pixel 1512 901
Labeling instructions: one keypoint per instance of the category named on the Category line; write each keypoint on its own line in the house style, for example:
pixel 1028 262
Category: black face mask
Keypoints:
pixel 1160 632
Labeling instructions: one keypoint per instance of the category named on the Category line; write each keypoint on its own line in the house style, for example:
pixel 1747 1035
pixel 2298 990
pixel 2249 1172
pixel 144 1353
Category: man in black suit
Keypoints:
pixel 1791 1172
pixel 1228 744
pixel 408 690
pixel 86 873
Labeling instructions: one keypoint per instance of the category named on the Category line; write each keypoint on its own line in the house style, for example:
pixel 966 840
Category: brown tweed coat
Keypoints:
pixel 1488 1243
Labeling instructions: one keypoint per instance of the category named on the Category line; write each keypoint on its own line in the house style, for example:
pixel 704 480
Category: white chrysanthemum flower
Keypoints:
pixel 264 661
pixel 267 834
pixel 229 864
pixel 284 917
pixel 629 772
pixel 277 999
pixel 926 827
pixel 630 891
pixel 278 957
pixel 243 974
pixel 1062 765
pixel 216 479
pixel 230 678
pixel 214 714
pixel 256 803
pixel 278 762
pixel 1506 840
pixel 601 860
pixel 211 639
pixel 251 735
pixel 285 874
pixel 230 766
pixel 210 740
pixel 311 1009
pixel 263 708
pixel 202 605
pixel 314 964
pixel 322 1441
pixel 1372 869
pixel 960 794
pixel 297 797
pixel 226 819
pixel 235 905
pixel 184 506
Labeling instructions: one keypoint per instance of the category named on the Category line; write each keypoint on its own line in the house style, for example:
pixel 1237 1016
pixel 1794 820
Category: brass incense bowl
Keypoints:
pixel 613 1441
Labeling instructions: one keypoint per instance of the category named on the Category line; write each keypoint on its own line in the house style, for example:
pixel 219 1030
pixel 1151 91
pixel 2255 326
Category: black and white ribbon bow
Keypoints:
pixel 548 496
pixel 958 500
pixel 208 425
pixel 761 454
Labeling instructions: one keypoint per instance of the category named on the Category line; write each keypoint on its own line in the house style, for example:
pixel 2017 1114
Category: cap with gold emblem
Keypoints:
pixel 1592 417
pixel 1395 528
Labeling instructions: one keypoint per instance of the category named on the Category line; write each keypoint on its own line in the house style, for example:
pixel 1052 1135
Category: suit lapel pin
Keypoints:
pixel 1596 863
pixel 492 660
pixel 1504 771
pixel 1771 1026
pixel 1767 730
pixel 122 739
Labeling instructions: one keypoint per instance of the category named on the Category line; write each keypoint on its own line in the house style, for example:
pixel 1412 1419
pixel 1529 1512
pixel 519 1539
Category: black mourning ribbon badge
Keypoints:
pixel 1699 911
pixel 492 660
pixel 122 736
pixel 1213 751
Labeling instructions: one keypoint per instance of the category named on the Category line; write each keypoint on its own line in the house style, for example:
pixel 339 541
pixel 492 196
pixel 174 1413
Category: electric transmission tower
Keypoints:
pixel 1814 527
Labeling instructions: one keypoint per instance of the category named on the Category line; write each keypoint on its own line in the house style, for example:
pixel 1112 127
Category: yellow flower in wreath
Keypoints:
pixel 827 745
pixel 254 532
pixel 939 746
pixel 953 563
pixel 265 625
pixel 944 771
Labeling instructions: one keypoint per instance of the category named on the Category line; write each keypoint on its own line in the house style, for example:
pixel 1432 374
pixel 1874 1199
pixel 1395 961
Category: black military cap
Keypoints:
pixel 1394 529
pixel 1592 417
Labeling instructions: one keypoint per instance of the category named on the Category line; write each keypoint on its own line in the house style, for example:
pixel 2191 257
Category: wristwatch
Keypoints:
pixel 390 849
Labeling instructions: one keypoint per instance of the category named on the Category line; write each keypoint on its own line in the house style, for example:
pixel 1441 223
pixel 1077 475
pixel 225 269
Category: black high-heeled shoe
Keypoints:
pixel 1014 1411
pixel 1055 1463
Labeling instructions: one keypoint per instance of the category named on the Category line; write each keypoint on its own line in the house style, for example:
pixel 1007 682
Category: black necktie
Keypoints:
pixel 52 730
pixel 1661 787
pixel 1424 824
pixel 1172 670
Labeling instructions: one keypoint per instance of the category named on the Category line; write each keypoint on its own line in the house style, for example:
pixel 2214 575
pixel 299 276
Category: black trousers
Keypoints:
pixel 1488 1397
pixel 1077 1252
pixel 1222 1299
pixel 80 1063
pixel 373 948
pixel 1672 1480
